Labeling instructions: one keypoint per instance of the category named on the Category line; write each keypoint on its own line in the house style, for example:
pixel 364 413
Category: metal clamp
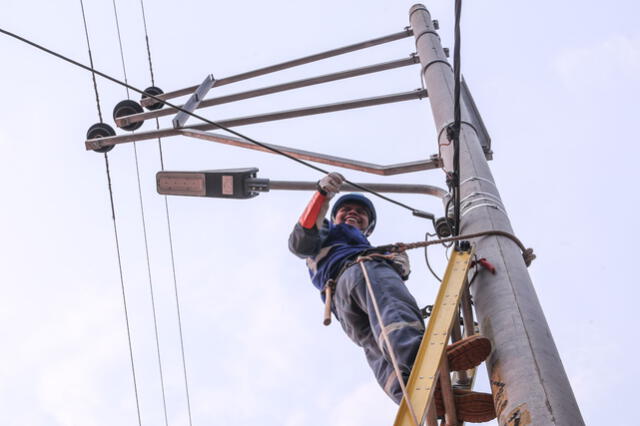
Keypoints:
pixel 446 126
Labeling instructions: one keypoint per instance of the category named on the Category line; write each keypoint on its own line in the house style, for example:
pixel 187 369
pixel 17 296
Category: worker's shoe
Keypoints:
pixel 468 352
pixel 472 407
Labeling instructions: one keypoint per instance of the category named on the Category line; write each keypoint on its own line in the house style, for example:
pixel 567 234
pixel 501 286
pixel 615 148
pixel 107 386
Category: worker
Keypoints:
pixel 330 248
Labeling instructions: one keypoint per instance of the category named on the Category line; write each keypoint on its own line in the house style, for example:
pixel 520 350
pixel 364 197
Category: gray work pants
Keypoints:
pixel 400 314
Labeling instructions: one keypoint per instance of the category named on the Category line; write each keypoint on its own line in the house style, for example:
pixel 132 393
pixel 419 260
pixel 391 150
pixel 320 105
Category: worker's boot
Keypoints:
pixel 472 407
pixel 468 352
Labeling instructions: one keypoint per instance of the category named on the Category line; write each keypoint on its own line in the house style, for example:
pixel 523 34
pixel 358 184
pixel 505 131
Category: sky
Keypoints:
pixel 556 85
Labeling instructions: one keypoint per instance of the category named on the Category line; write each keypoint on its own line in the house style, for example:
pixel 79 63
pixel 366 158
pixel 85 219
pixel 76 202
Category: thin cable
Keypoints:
pixel 124 69
pixel 124 297
pixel 144 233
pixel 199 117
pixel 93 74
pixel 166 207
pixel 146 37
pixel 115 229
pixel 153 303
pixel 426 257
pixel 456 118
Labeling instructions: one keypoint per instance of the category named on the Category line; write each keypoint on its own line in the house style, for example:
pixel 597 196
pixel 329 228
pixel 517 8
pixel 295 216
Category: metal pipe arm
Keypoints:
pixel 288 64
pixel 411 60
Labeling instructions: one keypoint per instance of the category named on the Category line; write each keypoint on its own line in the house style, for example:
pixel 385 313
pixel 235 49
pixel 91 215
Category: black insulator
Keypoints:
pixel 153 91
pixel 128 107
pixel 101 130
pixel 443 227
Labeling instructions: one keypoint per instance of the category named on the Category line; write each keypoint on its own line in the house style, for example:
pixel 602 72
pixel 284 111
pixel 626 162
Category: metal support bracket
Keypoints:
pixel 193 102
pixel 388 170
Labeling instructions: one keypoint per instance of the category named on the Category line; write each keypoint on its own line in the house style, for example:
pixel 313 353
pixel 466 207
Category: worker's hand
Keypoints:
pixel 331 184
pixel 401 264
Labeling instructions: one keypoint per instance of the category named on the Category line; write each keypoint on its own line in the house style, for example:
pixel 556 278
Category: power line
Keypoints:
pixel 144 233
pixel 166 207
pixel 456 118
pixel 115 229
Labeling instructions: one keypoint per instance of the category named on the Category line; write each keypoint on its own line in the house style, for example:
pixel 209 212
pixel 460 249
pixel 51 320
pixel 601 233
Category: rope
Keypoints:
pixel 115 228
pixel 527 253
pixel 144 233
pixel 385 335
pixel 199 117
pixel 166 206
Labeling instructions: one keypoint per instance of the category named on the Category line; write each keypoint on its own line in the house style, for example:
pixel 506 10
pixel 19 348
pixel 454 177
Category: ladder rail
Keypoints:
pixel 424 375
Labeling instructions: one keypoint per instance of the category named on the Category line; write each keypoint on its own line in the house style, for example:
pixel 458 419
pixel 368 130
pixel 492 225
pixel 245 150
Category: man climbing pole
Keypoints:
pixel 331 248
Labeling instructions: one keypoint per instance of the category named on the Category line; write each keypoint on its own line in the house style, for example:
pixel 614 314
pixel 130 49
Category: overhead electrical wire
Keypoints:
pixel 416 212
pixel 166 206
pixel 115 230
pixel 455 128
pixel 144 233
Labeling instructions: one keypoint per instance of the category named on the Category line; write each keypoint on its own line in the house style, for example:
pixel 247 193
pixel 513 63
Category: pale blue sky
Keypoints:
pixel 556 84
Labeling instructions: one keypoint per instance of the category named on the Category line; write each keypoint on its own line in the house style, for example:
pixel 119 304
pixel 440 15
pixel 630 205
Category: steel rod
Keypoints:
pixel 431 414
pixel 289 64
pixel 447 394
pixel 396 188
pixel 262 118
pixel 467 314
pixel 392 169
pixel 134 118
pixel 525 369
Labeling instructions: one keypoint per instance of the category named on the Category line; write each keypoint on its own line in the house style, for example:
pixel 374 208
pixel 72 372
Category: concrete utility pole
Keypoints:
pixel 528 381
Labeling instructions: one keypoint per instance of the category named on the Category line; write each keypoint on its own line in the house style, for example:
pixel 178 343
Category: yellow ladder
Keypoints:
pixel 431 362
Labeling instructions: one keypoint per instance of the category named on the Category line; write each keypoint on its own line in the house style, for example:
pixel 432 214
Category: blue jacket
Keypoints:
pixel 327 249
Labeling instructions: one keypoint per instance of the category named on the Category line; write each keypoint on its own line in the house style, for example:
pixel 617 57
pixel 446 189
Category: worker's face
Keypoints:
pixel 353 214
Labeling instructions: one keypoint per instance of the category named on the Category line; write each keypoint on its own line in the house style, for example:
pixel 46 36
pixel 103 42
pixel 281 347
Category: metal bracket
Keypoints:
pixel 391 169
pixel 193 102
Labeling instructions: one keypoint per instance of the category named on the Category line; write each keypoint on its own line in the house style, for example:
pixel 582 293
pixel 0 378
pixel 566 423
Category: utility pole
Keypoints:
pixel 528 381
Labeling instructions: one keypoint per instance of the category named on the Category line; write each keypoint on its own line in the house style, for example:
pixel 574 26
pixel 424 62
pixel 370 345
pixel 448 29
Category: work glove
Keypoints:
pixel 330 184
pixel 401 264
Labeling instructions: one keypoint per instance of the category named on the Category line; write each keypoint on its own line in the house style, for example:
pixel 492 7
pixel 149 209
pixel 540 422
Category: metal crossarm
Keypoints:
pixel 424 375
pixel 407 32
pixel 261 118
pixel 326 78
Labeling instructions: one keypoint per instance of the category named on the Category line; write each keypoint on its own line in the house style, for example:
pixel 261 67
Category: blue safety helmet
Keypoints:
pixel 357 199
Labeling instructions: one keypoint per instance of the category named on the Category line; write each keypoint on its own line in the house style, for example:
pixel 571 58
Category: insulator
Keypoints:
pixel 443 227
pixel 153 91
pixel 128 107
pixel 101 130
